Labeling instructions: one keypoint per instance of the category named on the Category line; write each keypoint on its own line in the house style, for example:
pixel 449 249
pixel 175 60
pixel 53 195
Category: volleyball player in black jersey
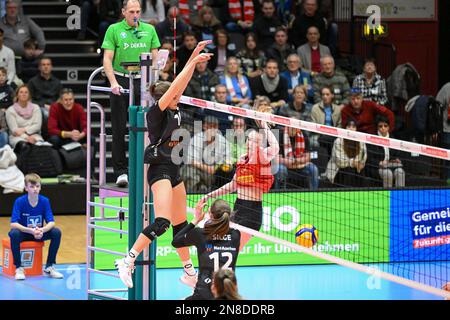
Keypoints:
pixel 217 245
pixel 163 176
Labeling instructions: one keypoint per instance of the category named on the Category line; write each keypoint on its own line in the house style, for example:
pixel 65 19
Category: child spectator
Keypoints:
pixel 29 64
pixel 27 224
pixel 6 91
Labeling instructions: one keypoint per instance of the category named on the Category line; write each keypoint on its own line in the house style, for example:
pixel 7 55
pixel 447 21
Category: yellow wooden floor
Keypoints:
pixel 73 242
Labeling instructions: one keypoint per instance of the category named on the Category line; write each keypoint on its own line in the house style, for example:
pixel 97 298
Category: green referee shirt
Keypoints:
pixel 129 42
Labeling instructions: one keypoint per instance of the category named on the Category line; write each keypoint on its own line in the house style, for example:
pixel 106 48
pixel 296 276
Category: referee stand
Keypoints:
pixel 140 209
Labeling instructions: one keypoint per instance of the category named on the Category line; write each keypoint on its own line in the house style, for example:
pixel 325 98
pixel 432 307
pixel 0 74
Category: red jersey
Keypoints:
pixel 251 175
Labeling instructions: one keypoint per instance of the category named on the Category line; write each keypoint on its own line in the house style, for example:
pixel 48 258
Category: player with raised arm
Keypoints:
pixel 252 179
pixel 217 245
pixel 163 176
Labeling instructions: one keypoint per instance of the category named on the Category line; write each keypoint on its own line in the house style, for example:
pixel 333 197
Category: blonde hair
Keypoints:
pixel 16 98
pixel 239 72
pixel 301 87
pixel 158 89
pixel 262 108
pixel 32 178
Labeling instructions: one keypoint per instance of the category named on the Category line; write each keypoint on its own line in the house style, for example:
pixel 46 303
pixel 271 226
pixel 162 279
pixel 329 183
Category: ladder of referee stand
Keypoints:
pixel 139 210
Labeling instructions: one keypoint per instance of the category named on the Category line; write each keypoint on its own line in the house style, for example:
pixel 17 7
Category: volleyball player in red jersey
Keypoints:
pixel 252 179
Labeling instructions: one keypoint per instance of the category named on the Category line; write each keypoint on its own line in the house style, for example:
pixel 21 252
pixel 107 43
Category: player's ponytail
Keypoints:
pixel 225 285
pixel 219 224
pixel 158 89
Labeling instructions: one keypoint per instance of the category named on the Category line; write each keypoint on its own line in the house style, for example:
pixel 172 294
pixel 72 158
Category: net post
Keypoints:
pixel 132 214
pixel 148 282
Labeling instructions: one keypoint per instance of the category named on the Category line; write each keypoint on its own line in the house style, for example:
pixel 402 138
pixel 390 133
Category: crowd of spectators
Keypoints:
pixel 286 59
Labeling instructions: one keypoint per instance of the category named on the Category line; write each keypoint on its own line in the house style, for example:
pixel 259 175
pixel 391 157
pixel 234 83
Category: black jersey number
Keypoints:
pixel 215 256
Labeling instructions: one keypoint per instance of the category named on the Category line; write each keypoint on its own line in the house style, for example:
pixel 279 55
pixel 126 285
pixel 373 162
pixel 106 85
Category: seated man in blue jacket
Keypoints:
pixel 27 224
pixel 295 75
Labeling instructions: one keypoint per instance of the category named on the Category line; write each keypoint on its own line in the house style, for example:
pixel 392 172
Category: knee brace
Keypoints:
pixel 178 228
pixel 157 228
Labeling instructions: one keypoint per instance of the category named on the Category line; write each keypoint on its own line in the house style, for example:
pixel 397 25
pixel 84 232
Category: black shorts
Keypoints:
pixel 163 171
pixel 248 213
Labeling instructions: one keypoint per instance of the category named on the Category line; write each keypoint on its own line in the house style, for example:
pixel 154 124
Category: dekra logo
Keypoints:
pixel 134 45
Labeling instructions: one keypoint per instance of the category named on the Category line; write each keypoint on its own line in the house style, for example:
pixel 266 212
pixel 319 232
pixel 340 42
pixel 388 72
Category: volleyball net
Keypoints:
pixel 388 218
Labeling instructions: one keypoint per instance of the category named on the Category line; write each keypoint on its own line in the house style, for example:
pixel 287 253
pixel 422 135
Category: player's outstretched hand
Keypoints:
pixel 199 212
pixel 202 57
pixel 201 46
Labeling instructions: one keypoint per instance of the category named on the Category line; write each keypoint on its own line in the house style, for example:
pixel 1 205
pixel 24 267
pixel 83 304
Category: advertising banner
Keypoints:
pixel 350 226
pixel 420 225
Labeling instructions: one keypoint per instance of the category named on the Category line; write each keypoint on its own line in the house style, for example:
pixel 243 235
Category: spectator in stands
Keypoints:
pixel 222 51
pixel 167 74
pixel 29 64
pixel 265 26
pixel 383 162
pixel 45 87
pixel 110 12
pixel 24 120
pixel 67 121
pixel 30 211
pixel 6 91
pixel 280 49
pixel 3 129
pixel 202 82
pixel 189 44
pixel 203 166
pixel 348 160
pixel 220 96
pixel 165 29
pixel 88 10
pixel 443 97
pixel 17 30
pixel 270 84
pixel 309 17
pixel 205 25
pixel 312 52
pixel 333 79
pixel 236 15
pixel 7 60
pixel 251 59
pixel 328 113
pixel 295 76
pixel 236 139
pixel 299 108
pixel 284 11
pixel 364 112
pixel 294 162
pixel 327 11
pixel 239 92
pixel 189 9
pixel 371 84
pixel 153 11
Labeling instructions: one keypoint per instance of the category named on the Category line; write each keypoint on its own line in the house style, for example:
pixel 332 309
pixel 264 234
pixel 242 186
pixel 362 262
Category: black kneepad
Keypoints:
pixel 178 228
pixel 157 228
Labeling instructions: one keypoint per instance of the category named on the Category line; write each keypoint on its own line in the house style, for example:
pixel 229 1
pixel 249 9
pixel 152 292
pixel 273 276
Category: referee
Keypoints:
pixel 124 42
